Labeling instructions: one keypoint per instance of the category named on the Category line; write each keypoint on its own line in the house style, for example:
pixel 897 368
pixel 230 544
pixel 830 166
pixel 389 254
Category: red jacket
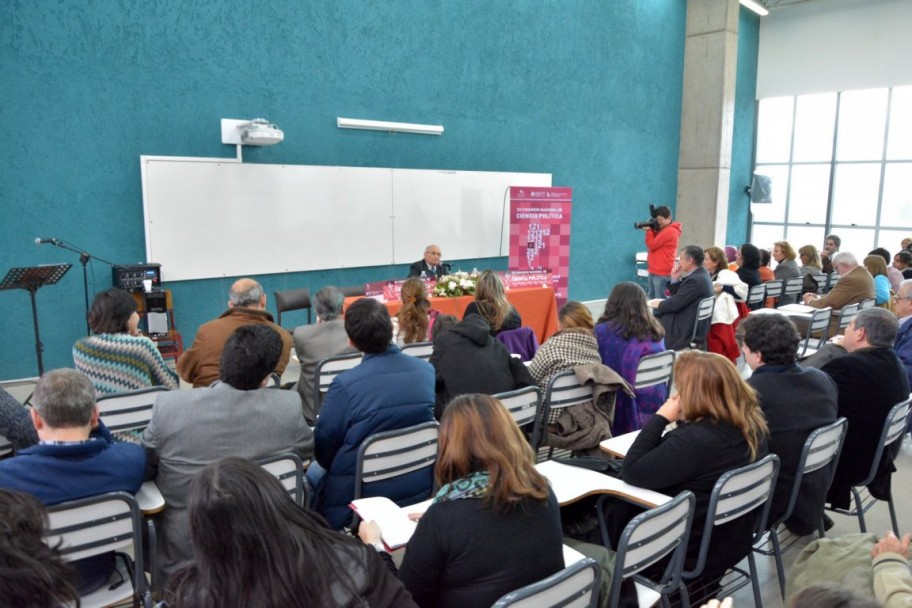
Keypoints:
pixel 662 247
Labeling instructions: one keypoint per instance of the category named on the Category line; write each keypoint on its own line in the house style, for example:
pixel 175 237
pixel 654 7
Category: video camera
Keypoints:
pixel 652 222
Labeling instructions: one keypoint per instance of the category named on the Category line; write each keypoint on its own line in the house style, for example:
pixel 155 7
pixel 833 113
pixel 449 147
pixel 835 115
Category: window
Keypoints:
pixel 840 163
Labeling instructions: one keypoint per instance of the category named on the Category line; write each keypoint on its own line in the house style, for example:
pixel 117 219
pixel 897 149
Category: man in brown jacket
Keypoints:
pixel 246 304
pixel 854 285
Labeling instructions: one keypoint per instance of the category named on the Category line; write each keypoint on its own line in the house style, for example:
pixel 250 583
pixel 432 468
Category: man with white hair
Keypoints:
pixel 199 365
pixel 854 285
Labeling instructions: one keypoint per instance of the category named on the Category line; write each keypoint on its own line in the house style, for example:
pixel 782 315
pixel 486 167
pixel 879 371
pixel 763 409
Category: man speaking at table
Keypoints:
pixel 430 266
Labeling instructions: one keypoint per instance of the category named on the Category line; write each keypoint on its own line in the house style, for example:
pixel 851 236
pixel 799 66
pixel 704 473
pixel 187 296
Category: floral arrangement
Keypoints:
pixel 456 285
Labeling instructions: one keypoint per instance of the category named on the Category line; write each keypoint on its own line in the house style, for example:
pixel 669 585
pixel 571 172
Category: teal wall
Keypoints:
pixel 588 90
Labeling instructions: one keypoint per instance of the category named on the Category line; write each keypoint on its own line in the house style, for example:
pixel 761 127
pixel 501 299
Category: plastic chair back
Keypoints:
pixel 289 470
pixel 394 453
pixel 523 404
pixel 576 586
pixel 655 369
pixel 130 411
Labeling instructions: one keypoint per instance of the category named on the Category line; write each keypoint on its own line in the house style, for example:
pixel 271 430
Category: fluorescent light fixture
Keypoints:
pixel 755 6
pixel 393 127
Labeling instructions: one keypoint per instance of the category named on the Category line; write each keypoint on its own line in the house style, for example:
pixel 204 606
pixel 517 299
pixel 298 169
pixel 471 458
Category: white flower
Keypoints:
pixel 452 285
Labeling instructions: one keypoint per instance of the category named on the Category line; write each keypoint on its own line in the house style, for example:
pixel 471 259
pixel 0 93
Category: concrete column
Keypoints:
pixel 707 120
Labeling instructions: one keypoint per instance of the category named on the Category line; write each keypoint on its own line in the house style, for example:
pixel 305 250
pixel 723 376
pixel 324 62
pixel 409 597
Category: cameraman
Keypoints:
pixel 662 245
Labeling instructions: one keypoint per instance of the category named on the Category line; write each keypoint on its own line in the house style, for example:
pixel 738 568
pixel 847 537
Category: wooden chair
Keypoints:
pixel 576 586
pixel 292 299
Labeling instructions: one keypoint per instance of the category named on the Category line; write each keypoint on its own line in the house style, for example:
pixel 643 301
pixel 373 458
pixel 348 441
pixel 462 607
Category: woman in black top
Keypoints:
pixel 494 525
pixel 749 264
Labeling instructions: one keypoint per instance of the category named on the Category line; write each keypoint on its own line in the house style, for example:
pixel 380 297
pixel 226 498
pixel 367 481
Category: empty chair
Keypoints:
pixel 97 525
pixel 737 493
pixel 523 404
pixel 774 291
pixel 292 299
pixel 646 539
pixel 289 470
pixel 756 296
pixel 326 372
pixel 819 325
pixel 791 291
pixel 130 411
pixel 422 350
pixel 846 314
pixel 386 455
pixel 642 268
pixel 820 450
pixel 655 369
pixel 576 586
pixel 704 313
pixel 894 427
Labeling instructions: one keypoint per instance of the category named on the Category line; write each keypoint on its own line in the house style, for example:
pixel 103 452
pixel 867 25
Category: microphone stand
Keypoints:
pixel 84 257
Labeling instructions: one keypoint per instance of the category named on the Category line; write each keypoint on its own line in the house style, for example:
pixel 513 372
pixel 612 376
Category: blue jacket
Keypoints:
pixel 903 347
pixel 58 473
pixel 386 391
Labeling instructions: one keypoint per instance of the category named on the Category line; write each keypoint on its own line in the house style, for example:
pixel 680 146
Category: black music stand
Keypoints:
pixel 32 279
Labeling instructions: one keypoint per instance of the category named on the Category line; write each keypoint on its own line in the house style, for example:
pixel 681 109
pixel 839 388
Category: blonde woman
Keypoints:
pixel 492 305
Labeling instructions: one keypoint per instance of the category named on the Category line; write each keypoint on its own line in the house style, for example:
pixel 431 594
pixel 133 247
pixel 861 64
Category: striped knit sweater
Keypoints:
pixel 116 363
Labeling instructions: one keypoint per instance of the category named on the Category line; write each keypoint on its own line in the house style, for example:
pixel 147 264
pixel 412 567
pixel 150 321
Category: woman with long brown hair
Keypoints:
pixel 415 318
pixel 494 525
pixel 720 427
pixel 491 303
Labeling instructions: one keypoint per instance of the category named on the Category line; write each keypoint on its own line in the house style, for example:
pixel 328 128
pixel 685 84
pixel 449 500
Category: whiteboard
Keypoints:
pixel 210 218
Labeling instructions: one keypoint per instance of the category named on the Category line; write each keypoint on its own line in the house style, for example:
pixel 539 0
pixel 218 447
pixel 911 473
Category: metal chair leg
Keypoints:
pixel 755 583
pixel 859 508
pixel 780 568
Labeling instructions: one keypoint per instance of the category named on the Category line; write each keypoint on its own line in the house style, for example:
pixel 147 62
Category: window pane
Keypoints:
pixel 856 240
pixel 764 236
pixel 891 240
pixel 774 130
pixel 808 195
pixel 897 195
pixel 855 194
pixel 799 236
pixel 862 115
pixel 814 122
pixel 899 141
pixel 774 212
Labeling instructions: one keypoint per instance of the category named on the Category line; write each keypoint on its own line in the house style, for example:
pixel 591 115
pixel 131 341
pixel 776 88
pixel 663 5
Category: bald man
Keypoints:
pixel 430 266
pixel 199 364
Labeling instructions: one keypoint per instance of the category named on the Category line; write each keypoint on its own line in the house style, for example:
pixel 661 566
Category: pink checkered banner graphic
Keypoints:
pixel 540 234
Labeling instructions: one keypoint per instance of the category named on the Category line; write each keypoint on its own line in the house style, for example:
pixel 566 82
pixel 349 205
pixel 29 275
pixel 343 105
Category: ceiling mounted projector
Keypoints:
pixel 256 132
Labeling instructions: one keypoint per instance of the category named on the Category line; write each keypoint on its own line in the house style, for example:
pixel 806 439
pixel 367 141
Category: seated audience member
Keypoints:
pixel 766 273
pixel 415 319
pixel 33 574
pixel 199 364
pixel 795 402
pixel 893 275
pixel 854 285
pixel 491 303
pixel 467 359
pixel 831 246
pixel 892 577
pixel 906 244
pixel 902 308
pixel 573 345
pixel 313 343
pixel 386 391
pixel 720 428
pixel 236 416
pixel 494 525
pixel 786 266
pixel 875 265
pixel 748 261
pixel 714 261
pixel 811 269
pixel 75 458
pixel 118 358
pixel 626 332
pixel 730 291
pixel 902 262
pixel 430 265
pixel 871 380
pixel 275 554
pixel 689 284
pixel 829 595
pixel 442 324
pixel 16 423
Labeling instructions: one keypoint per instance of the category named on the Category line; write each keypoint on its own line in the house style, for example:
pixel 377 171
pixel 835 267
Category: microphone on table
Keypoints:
pixel 41 241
